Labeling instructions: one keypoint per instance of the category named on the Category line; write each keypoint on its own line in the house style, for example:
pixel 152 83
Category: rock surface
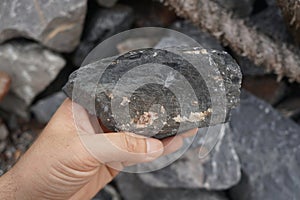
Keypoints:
pixel 31 68
pixel 94 89
pixel 132 188
pixel 55 24
pixel 44 109
pixel 107 3
pixel 100 25
pixel 218 171
pixel 3 135
pixel 107 193
pixel 242 8
pixel 4 84
pixel 268 147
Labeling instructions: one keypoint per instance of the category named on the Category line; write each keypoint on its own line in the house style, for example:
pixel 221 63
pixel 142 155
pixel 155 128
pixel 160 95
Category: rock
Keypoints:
pixel 107 3
pixel 4 84
pixel 268 147
pixel 218 171
pixel 248 68
pixel 155 14
pixel 3 131
pixel 290 107
pixel 55 24
pixel 271 23
pixel 100 25
pixel 203 38
pixel 132 188
pixel 136 43
pixel 266 88
pixel 45 108
pixel 13 104
pixel 107 193
pixel 154 109
pixel 241 8
pixel 31 67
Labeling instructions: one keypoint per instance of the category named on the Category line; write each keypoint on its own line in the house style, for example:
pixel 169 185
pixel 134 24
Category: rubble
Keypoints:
pixel 55 24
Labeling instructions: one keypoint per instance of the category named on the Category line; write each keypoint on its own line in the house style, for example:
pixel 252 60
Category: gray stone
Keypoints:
pixel 107 3
pixel 268 147
pixel 219 170
pixel 55 24
pixel 44 109
pixel 32 69
pixel 3 131
pixel 242 8
pixel 13 104
pixel 203 38
pixel 132 188
pixel 155 85
pixel 107 193
pixel 271 23
pixel 102 24
pixel 4 84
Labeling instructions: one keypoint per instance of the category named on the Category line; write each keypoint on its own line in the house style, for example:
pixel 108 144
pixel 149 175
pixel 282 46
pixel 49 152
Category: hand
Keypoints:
pixel 58 166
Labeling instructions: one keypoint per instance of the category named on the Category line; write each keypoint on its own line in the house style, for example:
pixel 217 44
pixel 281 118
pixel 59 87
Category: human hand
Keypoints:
pixel 58 166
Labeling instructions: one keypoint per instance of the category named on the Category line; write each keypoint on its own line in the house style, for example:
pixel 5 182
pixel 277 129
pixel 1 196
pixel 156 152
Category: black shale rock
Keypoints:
pixel 157 92
pixel 268 147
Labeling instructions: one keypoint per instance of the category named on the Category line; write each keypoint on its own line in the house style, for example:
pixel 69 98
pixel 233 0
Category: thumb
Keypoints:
pixel 122 147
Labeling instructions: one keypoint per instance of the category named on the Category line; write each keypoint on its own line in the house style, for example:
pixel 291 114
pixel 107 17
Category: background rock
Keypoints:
pixel 107 3
pixel 219 170
pixel 56 24
pixel 107 193
pixel 100 25
pixel 268 147
pixel 242 8
pixel 132 188
pixel 45 108
pixel 31 67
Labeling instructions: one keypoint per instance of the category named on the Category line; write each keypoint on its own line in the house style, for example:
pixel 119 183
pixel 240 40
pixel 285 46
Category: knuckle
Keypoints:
pixel 131 143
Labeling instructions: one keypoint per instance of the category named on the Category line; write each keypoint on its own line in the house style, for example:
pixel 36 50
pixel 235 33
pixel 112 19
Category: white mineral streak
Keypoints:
pixel 194 116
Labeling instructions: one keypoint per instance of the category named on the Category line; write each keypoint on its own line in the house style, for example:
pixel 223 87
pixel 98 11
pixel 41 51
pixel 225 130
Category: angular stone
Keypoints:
pixel 132 188
pixel 31 67
pixel 218 171
pixel 94 89
pixel 4 84
pixel 271 23
pixel 242 8
pixel 203 38
pixel 107 3
pixel 100 25
pixel 268 147
pixel 55 24
pixel 107 193
pixel 44 109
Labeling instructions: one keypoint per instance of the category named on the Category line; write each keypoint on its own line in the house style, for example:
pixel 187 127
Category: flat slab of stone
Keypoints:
pixel 268 147
pixel 55 24
pixel 212 73
pixel 219 170
pixel 132 188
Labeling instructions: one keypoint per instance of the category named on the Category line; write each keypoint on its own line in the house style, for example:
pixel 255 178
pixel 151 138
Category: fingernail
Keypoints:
pixel 153 145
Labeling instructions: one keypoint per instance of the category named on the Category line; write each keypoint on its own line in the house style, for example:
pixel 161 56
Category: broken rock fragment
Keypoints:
pixel 162 93
pixel 55 24
pixel 32 69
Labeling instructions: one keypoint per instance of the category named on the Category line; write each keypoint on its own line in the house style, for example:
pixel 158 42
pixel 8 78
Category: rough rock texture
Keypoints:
pixel 4 84
pixel 268 147
pixel 107 3
pixel 31 68
pixel 132 188
pixel 45 108
pixel 242 8
pixel 219 170
pixel 3 135
pixel 107 193
pixel 94 89
pixel 100 25
pixel 56 24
